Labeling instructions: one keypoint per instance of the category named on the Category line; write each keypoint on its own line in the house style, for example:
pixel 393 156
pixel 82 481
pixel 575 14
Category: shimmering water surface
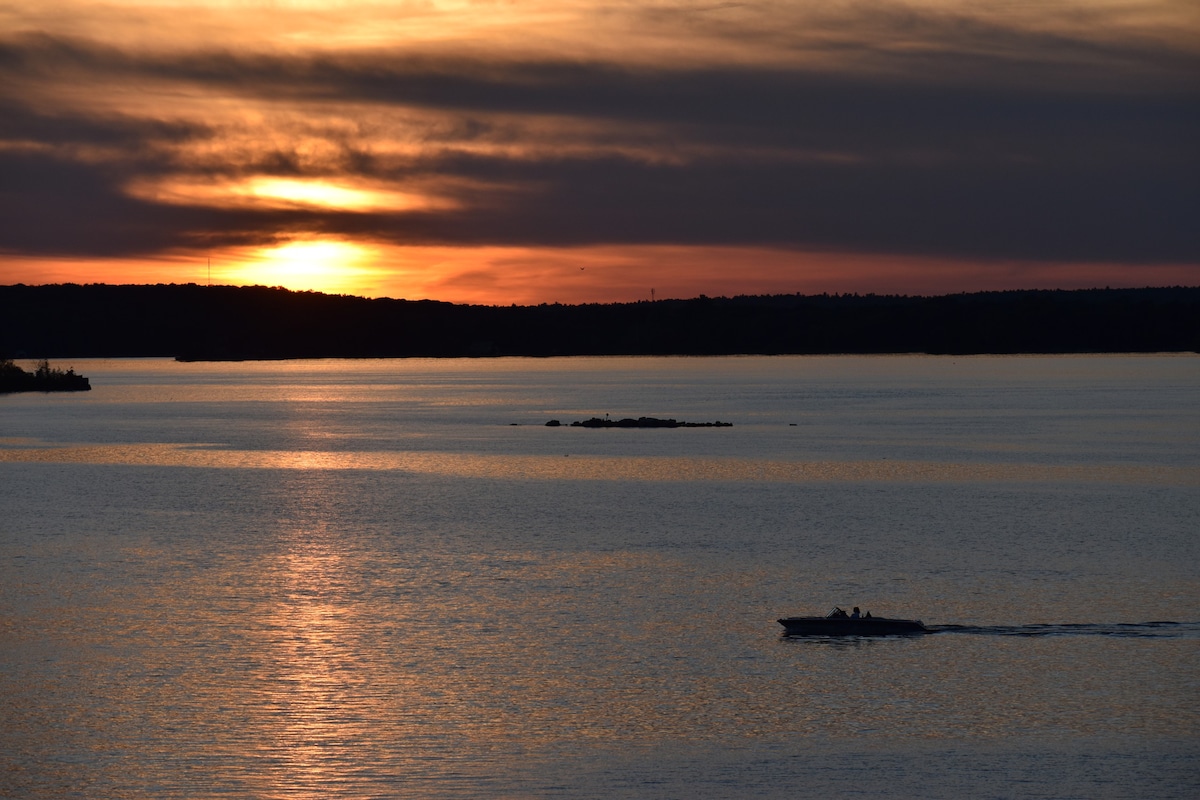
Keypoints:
pixel 390 578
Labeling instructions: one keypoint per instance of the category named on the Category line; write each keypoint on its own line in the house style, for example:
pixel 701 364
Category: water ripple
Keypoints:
pixel 1153 630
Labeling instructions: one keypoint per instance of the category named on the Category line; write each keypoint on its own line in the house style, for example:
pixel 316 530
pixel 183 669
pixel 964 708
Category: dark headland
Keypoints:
pixel 44 378
pixel 192 322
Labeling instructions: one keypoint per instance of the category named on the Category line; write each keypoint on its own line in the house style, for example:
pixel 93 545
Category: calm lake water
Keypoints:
pixel 318 579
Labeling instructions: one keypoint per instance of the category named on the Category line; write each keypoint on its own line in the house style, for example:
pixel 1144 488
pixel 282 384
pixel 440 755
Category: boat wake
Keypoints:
pixel 1144 630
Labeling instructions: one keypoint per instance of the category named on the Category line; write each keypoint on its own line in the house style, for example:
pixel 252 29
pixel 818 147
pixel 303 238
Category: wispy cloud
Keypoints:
pixel 1041 133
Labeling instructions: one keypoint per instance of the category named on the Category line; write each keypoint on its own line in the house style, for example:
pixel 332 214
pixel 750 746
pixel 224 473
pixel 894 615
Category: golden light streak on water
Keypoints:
pixel 595 468
pixel 311 649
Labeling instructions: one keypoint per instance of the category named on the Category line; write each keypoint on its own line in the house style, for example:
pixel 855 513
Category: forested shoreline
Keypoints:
pixel 193 322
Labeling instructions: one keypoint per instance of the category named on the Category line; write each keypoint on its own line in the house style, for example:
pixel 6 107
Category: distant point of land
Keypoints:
pixel 224 323
pixel 44 378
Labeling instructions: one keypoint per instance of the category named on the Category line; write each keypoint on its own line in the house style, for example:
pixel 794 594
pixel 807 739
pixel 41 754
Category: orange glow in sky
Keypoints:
pixel 264 192
pixel 501 276
pixel 580 151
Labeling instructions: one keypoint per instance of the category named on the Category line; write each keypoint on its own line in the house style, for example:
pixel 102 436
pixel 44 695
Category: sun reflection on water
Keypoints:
pixel 596 468
pixel 313 718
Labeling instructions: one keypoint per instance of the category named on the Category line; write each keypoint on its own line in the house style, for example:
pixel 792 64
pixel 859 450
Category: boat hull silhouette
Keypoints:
pixel 846 626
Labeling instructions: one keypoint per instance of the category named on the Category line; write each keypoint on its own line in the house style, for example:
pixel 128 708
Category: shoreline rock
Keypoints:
pixel 640 422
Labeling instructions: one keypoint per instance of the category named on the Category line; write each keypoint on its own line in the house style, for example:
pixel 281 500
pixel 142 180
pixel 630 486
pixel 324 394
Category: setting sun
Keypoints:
pixel 324 266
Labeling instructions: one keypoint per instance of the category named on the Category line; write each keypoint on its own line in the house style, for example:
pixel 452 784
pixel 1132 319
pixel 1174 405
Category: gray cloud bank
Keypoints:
pixel 1088 154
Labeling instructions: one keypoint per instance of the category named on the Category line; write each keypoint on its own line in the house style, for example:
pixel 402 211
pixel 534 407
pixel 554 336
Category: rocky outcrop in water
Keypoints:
pixel 640 422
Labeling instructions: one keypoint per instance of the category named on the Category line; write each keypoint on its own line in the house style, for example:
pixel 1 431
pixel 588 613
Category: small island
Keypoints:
pixel 44 378
pixel 640 422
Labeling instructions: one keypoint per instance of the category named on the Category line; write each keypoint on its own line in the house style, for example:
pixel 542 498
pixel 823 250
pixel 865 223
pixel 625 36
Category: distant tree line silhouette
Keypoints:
pixel 193 322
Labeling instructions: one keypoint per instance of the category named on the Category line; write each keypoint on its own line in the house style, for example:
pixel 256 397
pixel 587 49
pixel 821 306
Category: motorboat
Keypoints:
pixel 838 623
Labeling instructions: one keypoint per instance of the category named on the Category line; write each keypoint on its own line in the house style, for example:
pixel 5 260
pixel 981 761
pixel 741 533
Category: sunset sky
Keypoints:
pixel 579 151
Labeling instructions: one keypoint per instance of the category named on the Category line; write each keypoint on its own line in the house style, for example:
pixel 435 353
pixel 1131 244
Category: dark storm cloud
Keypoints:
pixel 1087 155
pixel 19 123
pixel 1007 213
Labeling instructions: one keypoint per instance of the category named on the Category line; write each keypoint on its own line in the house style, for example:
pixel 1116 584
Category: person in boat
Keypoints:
pixel 856 614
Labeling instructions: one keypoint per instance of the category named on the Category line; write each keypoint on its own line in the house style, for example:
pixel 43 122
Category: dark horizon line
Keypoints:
pixel 640 301
pixel 193 322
